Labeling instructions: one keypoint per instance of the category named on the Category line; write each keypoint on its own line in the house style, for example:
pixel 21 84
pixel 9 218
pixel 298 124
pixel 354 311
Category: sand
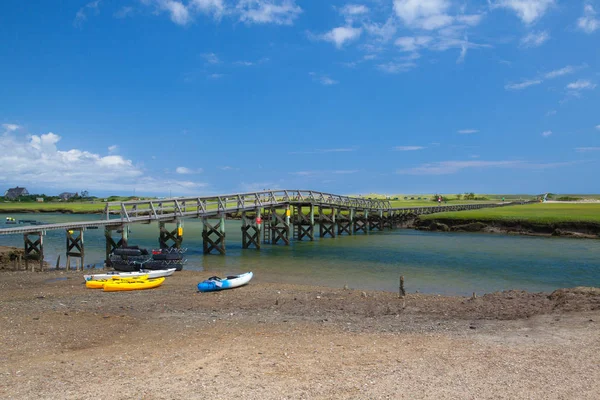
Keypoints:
pixel 275 341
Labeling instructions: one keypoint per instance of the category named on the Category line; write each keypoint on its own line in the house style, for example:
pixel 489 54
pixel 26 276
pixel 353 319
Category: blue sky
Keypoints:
pixel 195 97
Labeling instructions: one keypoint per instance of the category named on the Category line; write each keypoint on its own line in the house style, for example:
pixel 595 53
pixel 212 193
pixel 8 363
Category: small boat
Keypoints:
pixel 99 283
pixel 11 220
pixel 215 283
pixel 150 273
pixel 123 285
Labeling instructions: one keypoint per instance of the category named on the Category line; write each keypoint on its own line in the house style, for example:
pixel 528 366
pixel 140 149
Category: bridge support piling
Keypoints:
pixel 304 224
pixel 166 236
pixel 213 236
pixel 111 245
pixel 279 226
pixel 361 222
pixel 375 221
pixel 249 223
pixel 327 221
pixel 344 222
pixel 75 248
pixel 34 250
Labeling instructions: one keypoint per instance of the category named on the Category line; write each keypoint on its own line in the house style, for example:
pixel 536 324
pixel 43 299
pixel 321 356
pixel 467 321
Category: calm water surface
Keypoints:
pixel 431 262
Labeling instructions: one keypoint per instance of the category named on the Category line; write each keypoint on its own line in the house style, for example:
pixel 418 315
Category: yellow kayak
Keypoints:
pixel 99 284
pixel 120 285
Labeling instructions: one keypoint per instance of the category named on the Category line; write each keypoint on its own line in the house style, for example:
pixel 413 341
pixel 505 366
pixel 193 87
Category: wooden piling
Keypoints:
pixel 401 291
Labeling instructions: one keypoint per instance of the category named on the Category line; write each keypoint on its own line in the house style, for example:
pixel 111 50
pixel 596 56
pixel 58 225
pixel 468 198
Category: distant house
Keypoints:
pixel 15 193
pixel 39 199
pixel 64 196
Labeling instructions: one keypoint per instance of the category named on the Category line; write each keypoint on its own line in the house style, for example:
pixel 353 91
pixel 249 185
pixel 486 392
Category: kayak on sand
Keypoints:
pixel 99 283
pixel 123 285
pixel 151 274
pixel 215 283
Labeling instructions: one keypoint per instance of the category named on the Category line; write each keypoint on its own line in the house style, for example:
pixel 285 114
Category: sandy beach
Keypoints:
pixel 275 341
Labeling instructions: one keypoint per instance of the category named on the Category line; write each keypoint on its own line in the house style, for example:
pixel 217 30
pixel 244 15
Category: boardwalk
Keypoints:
pixel 273 213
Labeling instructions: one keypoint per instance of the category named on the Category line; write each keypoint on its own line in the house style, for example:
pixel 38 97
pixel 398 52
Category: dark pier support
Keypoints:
pixel 213 236
pixel 345 222
pixel 75 247
pixel 34 250
pixel 251 229
pixel 166 236
pixel 387 220
pixel 278 227
pixel 327 221
pixel 361 222
pixel 375 221
pixel 304 224
pixel 111 245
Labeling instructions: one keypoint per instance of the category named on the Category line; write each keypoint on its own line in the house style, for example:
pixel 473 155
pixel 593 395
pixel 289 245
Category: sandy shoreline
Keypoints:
pixel 274 341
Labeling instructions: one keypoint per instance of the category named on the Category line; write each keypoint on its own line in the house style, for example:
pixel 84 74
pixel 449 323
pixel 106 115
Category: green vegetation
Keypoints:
pixel 539 212
pixel 75 207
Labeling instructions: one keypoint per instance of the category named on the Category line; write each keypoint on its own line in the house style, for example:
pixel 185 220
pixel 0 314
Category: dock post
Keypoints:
pixel 252 225
pixel 326 223
pixel 75 248
pixel 218 231
pixel 304 224
pixel 34 250
pixel 176 235
pixel 280 226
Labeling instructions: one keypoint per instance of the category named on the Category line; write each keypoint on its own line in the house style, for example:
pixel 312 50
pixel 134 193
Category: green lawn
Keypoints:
pixel 539 212
pixel 51 207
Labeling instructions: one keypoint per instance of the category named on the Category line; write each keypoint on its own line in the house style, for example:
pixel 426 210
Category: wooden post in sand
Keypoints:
pixel 401 291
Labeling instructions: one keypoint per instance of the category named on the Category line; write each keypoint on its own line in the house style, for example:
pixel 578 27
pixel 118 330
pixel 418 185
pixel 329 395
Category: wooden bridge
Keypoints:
pixel 280 215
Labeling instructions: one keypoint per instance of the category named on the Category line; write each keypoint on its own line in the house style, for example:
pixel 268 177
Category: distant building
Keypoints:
pixel 39 199
pixel 15 193
pixel 64 196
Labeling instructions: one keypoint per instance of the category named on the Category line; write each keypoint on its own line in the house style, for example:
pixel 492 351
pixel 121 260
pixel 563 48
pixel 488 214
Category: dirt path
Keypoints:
pixel 267 341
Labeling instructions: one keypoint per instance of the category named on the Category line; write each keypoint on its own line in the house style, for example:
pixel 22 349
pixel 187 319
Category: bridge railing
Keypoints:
pixel 188 206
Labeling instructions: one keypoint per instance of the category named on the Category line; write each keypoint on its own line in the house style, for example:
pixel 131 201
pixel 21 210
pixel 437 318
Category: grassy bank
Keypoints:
pixel 51 207
pixel 538 213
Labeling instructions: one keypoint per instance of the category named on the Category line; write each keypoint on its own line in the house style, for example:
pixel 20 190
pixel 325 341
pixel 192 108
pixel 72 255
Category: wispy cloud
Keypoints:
pixel 334 150
pixel 113 149
pixel 11 127
pixel 534 39
pixel 279 12
pixel 546 133
pixel 211 58
pixel 598 127
pixel 467 131
pixel 188 171
pixel 581 84
pixel 396 67
pixel 215 76
pixel 339 36
pixel 522 85
pixel 408 148
pixel 452 167
pixel 319 173
pixel 527 10
pixel 588 22
pixel 550 113
pixel 123 12
pixel 569 69
pixel 82 13
pixel 252 63
pixel 586 149
pixel 324 80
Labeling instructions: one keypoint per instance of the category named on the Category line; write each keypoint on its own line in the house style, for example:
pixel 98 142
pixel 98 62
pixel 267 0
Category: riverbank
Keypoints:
pixel 267 341
pixel 590 230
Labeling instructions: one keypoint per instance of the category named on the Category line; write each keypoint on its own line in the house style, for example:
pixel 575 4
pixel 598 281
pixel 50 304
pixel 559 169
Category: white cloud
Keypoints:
pixel 581 84
pixel 569 69
pixel 215 7
pixel 341 35
pixel 598 127
pixel 37 160
pixel 534 39
pixel 345 171
pixel 11 127
pixel 123 12
pixel 550 113
pixel 323 79
pixel 280 12
pixel 187 171
pixel 451 167
pixel 354 9
pixel 216 76
pixel 177 11
pixel 408 148
pixel 588 23
pixel 527 10
pixel 472 19
pixel 82 13
pixel 211 58
pixel 396 67
pixel 413 12
pixel 586 149
pixel 522 85
pixel 113 148
pixel 412 43
pixel 546 133
pixel 467 131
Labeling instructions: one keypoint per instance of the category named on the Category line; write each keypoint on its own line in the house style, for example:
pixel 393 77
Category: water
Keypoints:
pixel 431 262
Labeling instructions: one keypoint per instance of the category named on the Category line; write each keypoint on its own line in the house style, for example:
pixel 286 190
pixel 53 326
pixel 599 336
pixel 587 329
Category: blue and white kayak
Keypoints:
pixel 215 283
